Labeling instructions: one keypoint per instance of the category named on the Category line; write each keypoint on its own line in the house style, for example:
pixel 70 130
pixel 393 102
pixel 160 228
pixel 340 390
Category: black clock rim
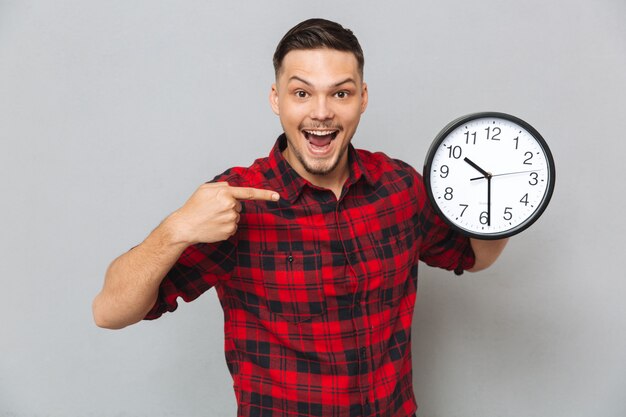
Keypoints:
pixel 543 204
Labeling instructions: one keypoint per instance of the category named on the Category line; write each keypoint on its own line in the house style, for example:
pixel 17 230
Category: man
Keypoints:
pixel 313 251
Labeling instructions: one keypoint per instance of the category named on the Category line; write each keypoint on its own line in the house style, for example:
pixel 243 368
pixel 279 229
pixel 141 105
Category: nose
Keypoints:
pixel 321 109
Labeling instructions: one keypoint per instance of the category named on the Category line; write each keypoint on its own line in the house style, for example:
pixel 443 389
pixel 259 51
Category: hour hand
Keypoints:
pixel 475 166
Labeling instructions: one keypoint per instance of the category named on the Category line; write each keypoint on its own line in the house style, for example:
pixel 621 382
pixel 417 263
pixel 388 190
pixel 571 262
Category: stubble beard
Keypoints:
pixel 322 167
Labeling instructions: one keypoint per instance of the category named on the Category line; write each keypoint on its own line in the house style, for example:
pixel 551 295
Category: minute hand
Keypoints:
pixel 506 173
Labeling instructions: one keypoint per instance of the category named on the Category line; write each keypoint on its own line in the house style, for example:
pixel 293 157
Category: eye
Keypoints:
pixel 341 94
pixel 301 94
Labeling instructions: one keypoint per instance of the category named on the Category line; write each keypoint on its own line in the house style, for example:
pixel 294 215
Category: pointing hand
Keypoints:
pixel 212 212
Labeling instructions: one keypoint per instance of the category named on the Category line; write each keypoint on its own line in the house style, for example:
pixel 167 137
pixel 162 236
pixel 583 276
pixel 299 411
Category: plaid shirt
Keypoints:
pixel 318 293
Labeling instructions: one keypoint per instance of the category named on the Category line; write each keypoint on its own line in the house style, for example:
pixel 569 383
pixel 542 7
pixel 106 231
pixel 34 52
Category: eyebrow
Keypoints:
pixel 302 80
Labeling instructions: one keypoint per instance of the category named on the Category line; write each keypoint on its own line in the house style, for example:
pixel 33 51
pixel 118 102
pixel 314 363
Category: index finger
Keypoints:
pixel 248 193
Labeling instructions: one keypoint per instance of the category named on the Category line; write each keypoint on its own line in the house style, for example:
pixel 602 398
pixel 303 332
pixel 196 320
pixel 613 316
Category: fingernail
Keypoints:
pixel 275 196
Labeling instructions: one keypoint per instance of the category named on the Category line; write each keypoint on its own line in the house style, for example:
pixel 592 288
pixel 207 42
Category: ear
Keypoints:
pixel 274 100
pixel 364 97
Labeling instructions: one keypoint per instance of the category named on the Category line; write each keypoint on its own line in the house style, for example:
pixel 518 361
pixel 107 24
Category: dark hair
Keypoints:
pixel 316 34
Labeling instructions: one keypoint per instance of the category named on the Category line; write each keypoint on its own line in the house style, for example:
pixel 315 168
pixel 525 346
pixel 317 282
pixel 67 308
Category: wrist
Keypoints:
pixel 486 252
pixel 173 232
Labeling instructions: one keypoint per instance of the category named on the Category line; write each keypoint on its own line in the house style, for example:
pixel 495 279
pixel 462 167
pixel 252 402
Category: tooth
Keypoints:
pixel 318 133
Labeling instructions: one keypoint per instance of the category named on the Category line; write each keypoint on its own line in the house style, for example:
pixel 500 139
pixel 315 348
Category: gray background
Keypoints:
pixel 113 112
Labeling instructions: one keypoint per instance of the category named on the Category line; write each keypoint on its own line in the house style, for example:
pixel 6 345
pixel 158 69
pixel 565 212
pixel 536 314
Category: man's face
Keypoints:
pixel 319 96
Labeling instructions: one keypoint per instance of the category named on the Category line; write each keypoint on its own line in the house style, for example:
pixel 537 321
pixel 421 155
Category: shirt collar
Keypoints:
pixel 292 184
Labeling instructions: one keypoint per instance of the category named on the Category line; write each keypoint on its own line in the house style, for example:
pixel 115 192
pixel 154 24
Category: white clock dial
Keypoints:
pixel 489 175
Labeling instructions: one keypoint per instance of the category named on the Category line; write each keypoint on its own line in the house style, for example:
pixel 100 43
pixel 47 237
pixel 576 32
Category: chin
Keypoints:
pixel 319 167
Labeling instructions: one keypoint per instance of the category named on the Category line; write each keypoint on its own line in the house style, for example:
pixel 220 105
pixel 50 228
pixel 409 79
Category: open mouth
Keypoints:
pixel 320 139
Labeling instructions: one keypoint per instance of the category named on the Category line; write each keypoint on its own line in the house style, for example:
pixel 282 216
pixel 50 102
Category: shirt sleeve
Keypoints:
pixel 442 246
pixel 199 268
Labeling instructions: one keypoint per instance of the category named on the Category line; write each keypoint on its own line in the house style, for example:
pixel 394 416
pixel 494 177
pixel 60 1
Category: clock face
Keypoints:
pixel 490 175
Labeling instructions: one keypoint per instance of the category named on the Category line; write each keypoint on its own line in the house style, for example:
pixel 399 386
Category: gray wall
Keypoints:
pixel 112 112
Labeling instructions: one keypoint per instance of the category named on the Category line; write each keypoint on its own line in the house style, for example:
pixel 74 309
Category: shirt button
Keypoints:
pixel 367 409
pixel 290 259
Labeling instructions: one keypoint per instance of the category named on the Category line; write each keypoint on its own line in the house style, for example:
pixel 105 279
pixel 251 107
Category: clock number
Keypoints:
pixel 529 156
pixel 507 213
pixel 454 152
pixel 495 135
pixel 444 171
pixel 465 206
pixel 484 217
pixel 448 195
pixel 534 180
pixel 467 138
pixel 516 142
pixel 524 199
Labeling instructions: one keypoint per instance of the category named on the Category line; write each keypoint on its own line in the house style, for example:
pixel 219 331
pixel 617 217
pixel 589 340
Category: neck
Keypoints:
pixel 332 181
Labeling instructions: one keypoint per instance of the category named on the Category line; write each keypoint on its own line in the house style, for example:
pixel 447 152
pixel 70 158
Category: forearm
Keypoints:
pixel 486 252
pixel 132 280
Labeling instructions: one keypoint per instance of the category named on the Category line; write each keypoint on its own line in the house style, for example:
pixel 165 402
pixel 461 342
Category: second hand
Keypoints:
pixel 506 173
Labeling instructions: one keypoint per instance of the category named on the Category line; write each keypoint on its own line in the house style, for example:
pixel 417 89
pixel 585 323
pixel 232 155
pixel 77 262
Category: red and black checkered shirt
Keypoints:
pixel 318 293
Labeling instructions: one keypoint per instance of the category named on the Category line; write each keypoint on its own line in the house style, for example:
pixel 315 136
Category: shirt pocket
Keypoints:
pixel 293 284
pixel 397 256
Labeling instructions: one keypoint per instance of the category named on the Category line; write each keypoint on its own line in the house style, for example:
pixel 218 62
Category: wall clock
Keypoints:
pixel 489 175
